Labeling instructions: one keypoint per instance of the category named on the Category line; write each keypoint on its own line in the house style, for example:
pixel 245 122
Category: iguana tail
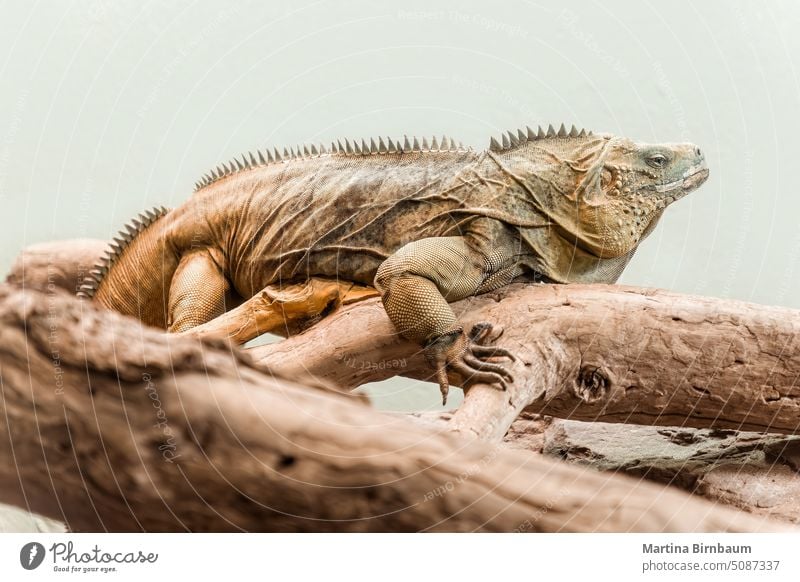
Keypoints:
pixel 133 277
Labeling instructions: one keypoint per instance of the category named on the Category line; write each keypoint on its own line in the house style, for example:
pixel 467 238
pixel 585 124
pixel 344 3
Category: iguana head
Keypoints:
pixel 602 192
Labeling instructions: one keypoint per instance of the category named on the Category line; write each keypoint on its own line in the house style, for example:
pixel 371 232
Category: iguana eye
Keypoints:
pixel 657 160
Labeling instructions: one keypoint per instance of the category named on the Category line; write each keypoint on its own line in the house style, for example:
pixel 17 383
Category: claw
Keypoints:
pixel 492 352
pixel 466 354
pixel 436 353
pixel 444 383
pixel 484 376
pixel 477 364
pixel 481 332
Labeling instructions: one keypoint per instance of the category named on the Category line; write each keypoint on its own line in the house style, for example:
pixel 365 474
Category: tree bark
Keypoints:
pixel 752 471
pixel 107 425
pixel 56 266
pixel 756 472
pixel 589 352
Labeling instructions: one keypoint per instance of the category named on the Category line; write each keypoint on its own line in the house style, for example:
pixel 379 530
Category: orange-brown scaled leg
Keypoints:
pixel 197 292
pixel 281 309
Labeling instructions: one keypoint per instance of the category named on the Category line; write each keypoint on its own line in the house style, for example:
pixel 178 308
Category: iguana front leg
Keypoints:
pixel 416 284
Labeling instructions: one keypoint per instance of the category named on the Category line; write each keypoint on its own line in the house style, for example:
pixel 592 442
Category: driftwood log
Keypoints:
pixel 590 352
pixel 56 266
pixel 594 353
pixel 111 426
pixel 752 471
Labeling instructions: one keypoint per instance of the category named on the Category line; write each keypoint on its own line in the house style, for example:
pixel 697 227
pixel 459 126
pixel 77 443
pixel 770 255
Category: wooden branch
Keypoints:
pixel 590 352
pixel 599 353
pixel 56 266
pixel 752 471
pixel 107 425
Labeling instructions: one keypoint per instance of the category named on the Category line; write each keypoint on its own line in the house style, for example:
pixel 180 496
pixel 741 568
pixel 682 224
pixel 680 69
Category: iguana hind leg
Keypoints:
pixel 284 309
pixel 197 293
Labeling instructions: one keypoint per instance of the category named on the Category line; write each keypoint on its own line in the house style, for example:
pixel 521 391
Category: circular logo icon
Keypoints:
pixel 31 555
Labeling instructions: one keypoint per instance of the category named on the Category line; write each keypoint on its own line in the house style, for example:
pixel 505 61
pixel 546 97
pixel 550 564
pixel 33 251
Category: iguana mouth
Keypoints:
pixel 695 179
pixel 691 179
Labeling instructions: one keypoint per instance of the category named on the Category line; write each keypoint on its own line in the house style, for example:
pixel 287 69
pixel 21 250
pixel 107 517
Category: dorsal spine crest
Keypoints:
pixel 507 141
pixel 383 146
pixel 511 139
pixel 129 232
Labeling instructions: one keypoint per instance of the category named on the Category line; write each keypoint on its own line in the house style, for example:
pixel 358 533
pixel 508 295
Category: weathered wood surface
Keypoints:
pixel 602 353
pixel 759 473
pixel 756 472
pixel 56 266
pixel 107 425
pixel 590 352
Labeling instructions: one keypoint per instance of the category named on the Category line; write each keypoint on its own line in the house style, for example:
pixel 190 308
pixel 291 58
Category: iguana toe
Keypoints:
pixel 492 352
pixel 467 354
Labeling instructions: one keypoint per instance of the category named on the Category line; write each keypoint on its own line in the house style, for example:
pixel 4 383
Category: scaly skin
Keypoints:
pixel 427 228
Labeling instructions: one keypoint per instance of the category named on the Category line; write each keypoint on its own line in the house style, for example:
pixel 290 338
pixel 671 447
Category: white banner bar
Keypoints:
pixel 401 557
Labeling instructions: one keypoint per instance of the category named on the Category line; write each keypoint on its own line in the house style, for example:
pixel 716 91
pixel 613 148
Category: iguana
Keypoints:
pixel 426 223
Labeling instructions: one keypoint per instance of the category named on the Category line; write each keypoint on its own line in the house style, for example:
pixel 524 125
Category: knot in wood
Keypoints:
pixel 592 384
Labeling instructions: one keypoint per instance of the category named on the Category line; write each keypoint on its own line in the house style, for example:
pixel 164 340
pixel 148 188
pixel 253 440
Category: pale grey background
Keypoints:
pixel 109 107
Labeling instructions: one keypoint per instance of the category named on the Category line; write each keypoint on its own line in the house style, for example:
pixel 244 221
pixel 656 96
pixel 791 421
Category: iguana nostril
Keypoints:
pixel 697 152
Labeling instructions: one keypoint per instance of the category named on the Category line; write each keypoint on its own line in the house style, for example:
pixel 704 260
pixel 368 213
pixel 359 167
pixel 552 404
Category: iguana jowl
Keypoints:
pixel 426 223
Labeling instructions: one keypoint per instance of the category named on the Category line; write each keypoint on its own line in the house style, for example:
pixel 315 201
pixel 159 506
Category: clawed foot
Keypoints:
pixel 467 355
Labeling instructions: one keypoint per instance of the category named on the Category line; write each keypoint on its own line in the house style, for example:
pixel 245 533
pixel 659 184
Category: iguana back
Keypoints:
pixel 428 224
